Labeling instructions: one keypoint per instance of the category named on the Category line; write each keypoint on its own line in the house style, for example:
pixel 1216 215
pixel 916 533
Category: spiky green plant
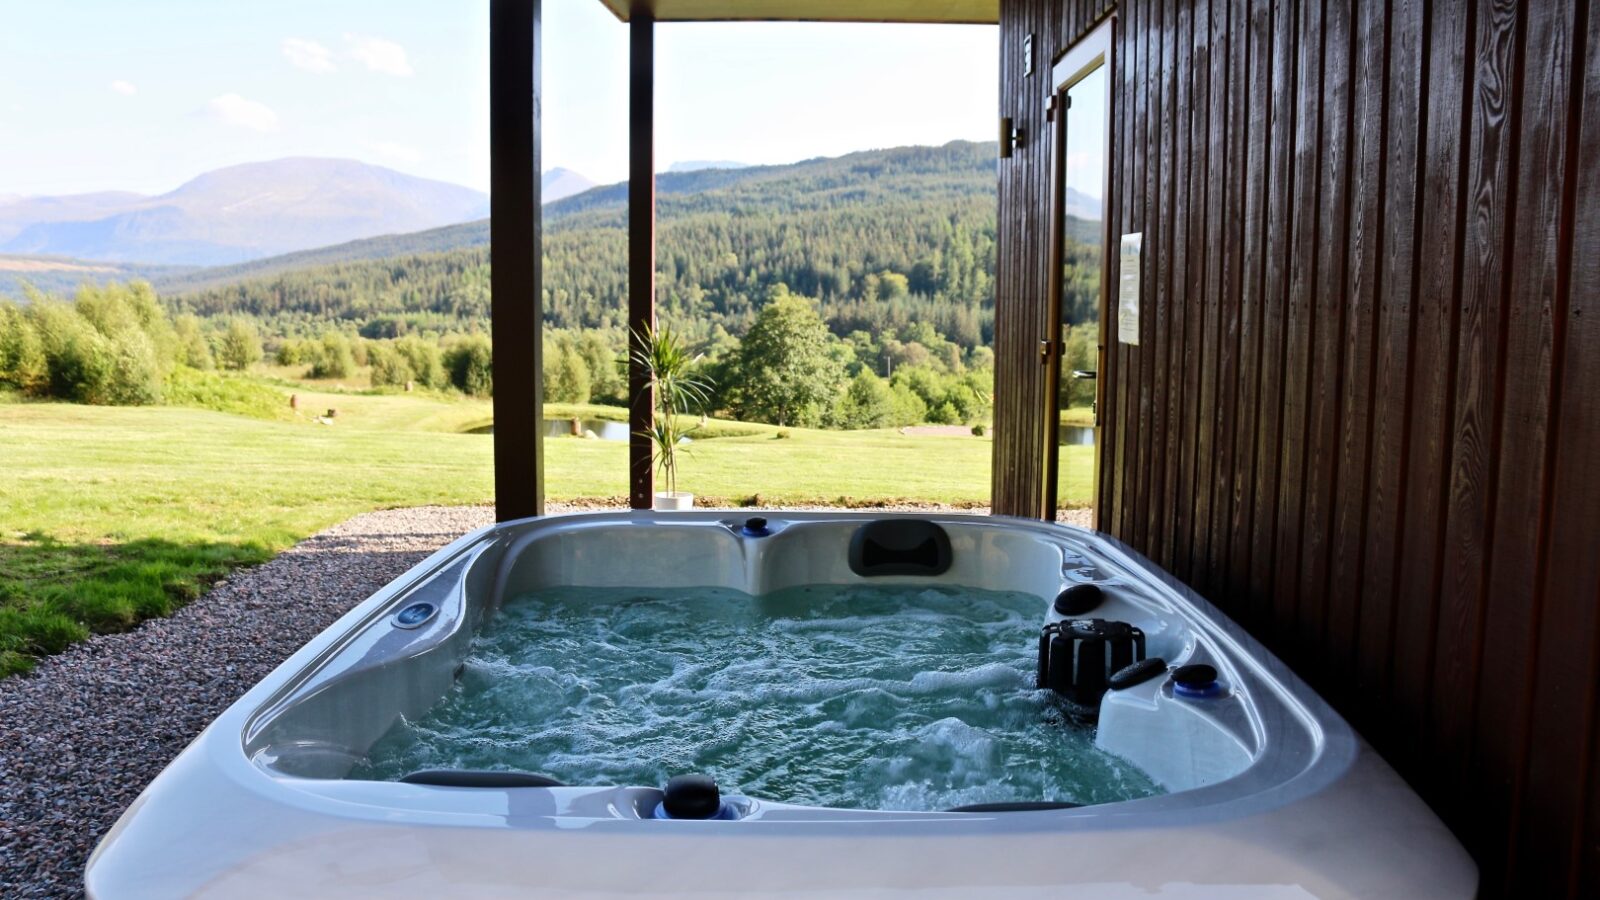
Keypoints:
pixel 679 391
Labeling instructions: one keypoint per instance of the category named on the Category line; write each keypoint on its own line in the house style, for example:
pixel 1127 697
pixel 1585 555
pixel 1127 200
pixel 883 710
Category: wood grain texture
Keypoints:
pixel 1184 231
pixel 1469 528
pixel 1159 238
pixel 1364 237
pixel 1391 399
pixel 1362 417
pixel 1257 111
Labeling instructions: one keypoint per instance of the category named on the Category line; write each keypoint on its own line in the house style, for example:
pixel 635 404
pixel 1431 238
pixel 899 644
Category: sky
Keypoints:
pixel 142 96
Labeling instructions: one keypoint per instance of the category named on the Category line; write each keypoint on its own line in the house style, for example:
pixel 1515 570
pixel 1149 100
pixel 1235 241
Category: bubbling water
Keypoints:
pixel 896 697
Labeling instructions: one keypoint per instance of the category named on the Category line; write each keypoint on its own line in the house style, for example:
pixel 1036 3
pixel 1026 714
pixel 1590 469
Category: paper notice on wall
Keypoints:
pixel 1128 289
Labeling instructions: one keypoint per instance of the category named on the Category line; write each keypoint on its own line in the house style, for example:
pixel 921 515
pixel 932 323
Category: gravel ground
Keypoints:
pixel 90 727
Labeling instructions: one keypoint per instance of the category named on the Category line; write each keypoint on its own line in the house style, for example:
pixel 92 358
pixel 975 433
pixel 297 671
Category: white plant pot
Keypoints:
pixel 669 500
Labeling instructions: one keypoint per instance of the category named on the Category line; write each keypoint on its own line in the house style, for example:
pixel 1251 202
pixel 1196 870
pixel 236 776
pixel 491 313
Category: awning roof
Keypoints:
pixel 981 12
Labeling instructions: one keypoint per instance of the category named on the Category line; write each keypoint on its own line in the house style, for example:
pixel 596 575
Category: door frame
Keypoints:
pixel 1088 53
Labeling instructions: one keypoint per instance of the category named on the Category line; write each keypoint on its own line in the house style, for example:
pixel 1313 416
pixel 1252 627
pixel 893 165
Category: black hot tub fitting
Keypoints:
pixel 1078 656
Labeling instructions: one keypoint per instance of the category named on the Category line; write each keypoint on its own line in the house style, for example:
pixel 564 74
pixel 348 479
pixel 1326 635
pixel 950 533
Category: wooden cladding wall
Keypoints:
pixel 1021 319
pixel 1364 414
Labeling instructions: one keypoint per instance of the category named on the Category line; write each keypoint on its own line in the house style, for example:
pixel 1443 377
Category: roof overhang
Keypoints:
pixel 947 12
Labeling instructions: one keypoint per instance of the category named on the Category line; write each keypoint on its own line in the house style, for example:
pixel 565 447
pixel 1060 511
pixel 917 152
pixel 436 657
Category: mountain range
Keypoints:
pixel 811 195
pixel 237 213
pixel 559 184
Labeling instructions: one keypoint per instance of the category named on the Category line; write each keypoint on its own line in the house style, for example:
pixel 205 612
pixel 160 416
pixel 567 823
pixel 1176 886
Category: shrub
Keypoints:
pixel 334 358
pixel 868 402
pixel 78 358
pixel 606 381
pixel 293 352
pixel 240 347
pixel 22 359
pixel 909 409
pixel 388 366
pixel 135 377
pixel 566 376
pixel 470 363
pixel 427 366
pixel 192 349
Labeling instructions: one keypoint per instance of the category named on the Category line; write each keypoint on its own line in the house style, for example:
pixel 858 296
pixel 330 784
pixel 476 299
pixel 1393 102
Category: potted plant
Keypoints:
pixel 679 392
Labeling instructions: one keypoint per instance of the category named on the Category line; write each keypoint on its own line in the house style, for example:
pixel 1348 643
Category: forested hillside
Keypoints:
pixel 880 239
pixel 875 269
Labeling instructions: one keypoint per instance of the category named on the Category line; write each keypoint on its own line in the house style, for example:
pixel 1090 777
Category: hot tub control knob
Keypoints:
pixel 755 526
pixel 1195 680
pixel 691 797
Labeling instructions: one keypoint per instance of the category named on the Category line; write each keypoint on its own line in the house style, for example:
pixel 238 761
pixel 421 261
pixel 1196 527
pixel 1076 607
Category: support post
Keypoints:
pixel 641 247
pixel 517 268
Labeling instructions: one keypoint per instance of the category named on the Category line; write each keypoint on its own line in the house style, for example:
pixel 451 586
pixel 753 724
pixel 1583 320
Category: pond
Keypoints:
pixel 1075 436
pixel 603 429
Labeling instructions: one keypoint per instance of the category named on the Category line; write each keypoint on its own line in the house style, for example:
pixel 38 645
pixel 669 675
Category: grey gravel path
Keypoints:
pixel 90 727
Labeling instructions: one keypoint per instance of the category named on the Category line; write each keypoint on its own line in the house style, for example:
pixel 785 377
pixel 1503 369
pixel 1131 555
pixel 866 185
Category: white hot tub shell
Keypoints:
pixel 1270 792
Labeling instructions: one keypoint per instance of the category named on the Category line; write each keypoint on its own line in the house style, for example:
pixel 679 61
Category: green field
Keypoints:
pixel 112 515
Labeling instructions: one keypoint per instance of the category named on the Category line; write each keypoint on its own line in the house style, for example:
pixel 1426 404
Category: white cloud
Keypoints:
pixel 236 110
pixel 394 150
pixel 378 55
pixel 124 88
pixel 309 56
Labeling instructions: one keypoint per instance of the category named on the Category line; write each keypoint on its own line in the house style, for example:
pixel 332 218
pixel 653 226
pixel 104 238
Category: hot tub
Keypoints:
pixel 1229 776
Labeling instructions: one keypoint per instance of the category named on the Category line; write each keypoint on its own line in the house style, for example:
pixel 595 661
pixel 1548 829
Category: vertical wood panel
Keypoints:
pixel 1362 417
pixel 1469 529
pixel 1559 811
pixel 1275 325
pixel 1364 235
pixel 1159 238
pixel 1329 310
pixel 1442 231
pixel 1515 598
pixel 1303 204
pixel 1183 236
pixel 1230 281
pixel 1257 116
pixel 1391 399
pixel 1185 492
pixel 1217 163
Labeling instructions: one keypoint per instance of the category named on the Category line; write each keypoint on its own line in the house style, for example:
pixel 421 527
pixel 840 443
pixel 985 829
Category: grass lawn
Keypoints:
pixel 112 515
pixel 1078 415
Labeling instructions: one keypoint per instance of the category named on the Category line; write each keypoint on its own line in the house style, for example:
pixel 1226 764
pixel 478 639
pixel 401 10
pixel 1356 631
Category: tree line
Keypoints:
pixel 118 345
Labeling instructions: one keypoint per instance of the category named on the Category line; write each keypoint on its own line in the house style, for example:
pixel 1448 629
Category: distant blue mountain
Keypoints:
pixel 559 184
pixel 238 213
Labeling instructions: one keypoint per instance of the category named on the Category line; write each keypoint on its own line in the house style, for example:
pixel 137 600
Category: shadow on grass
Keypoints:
pixel 53 593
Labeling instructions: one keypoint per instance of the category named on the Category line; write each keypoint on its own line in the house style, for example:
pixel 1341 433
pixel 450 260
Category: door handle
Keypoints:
pixel 1083 375
pixel 1046 347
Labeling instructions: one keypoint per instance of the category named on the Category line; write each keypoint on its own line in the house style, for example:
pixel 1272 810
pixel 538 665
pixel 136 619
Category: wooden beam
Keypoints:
pixel 641 247
pixel 516 274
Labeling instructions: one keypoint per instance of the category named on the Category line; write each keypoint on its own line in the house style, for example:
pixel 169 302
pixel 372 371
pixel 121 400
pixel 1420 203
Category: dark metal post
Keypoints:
pixel 517 270
pixel 641 246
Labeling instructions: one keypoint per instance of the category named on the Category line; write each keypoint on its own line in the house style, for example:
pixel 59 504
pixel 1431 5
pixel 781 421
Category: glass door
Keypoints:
pixel 1079 184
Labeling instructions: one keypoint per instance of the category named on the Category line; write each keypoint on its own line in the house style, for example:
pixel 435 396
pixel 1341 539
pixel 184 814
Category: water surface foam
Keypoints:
pixel 895 697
